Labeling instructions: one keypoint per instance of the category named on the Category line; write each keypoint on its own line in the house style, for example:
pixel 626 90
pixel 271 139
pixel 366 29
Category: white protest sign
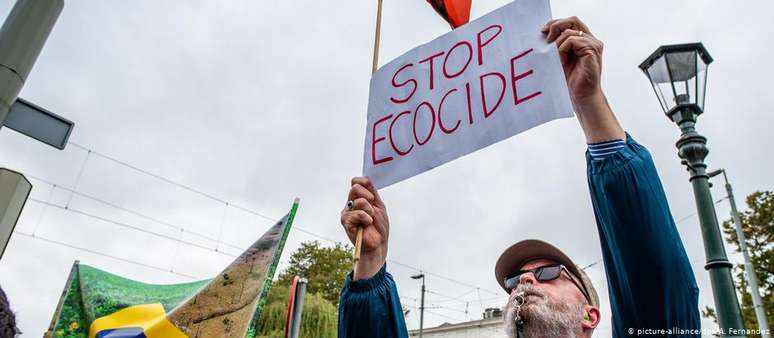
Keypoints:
pixel 477 85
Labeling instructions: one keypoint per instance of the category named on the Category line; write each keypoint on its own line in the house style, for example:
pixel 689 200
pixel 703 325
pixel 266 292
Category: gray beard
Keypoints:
pixel 543 317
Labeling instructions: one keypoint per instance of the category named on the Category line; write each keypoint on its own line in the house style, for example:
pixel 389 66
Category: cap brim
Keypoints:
pixel 513 258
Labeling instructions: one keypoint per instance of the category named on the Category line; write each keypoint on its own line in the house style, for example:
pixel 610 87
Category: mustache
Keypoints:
pixel 527 290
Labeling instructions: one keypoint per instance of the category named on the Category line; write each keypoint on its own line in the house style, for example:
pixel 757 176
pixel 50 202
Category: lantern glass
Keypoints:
pixel 659 77
pixel 701 82
pixel 678 74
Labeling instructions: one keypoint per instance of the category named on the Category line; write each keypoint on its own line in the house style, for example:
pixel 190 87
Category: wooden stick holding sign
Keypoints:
pixel 377 37
pixel 374 67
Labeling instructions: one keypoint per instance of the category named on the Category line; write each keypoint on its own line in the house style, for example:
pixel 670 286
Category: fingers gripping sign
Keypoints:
pixel 581 55
pixel 555 27
pixel 365 220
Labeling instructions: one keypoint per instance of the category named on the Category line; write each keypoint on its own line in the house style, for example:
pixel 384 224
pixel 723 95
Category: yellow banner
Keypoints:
pixel 150 319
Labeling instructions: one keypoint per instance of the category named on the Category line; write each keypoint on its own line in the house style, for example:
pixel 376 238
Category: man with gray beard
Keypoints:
pixel 549 295
pixel 650 281
pixel 547 317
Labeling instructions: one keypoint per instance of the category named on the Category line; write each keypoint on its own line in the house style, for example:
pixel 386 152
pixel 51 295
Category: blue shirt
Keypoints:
pixel 371 308
pixel 650 281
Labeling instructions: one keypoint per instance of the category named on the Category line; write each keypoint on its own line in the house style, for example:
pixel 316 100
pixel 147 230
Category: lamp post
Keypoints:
pixel 422 304
pixel 22 37
pixel 752 278
pixel 678 74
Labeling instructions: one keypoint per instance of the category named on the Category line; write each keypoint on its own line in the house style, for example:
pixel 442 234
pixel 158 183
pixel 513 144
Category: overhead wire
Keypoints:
pixel 436 306
pixel 172 182
pixel 484 301
pixel 98 253
pixel 130 227
pixel 254 212
pixel 70 209
pixel 435 313
pixel 450 299
pixel 440 276
pixel 132 212
pixel 201 193
pixel 78 177
pixel 90 152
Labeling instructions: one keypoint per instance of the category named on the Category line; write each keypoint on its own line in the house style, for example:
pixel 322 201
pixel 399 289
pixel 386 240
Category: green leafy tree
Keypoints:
pixel 758 229
pixel 324 267
pixel 318 319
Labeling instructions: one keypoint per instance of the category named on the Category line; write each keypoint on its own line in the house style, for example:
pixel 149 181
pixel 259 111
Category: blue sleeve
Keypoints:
pixel 650 280
pixel 371 308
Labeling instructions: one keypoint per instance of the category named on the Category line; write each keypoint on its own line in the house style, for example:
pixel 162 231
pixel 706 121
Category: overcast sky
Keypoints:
pixel 257 102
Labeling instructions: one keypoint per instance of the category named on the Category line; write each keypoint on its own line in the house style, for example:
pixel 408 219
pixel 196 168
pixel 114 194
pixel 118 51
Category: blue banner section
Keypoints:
pixel 129 332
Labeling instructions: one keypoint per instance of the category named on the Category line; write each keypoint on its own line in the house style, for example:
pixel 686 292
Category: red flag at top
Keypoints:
pixel 456 12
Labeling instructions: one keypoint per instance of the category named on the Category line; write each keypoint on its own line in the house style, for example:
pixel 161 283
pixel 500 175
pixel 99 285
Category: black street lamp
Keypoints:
pixel 422 304
pixel 678 74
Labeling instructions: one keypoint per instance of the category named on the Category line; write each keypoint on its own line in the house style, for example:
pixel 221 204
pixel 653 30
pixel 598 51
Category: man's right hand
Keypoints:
pixel 369 213
pixel 581 55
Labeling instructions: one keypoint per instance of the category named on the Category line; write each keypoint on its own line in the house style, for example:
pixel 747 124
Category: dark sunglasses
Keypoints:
pixel 543 274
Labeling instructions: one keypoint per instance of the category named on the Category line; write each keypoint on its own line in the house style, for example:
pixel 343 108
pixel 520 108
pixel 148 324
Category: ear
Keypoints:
pixel 591 317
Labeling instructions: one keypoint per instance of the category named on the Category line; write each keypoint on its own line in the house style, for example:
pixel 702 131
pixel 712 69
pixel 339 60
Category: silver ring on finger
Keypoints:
pixel 580 33
pixel 350 205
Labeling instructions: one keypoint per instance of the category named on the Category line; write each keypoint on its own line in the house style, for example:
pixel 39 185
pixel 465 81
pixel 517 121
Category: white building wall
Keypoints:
pixel 476 329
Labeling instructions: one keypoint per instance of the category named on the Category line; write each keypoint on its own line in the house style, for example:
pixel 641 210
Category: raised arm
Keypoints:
pixel 651 283
pixel 369 305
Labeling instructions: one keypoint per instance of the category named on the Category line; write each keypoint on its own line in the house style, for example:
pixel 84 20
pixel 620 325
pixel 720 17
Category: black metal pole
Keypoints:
pixel 422 308
pixel 752 279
